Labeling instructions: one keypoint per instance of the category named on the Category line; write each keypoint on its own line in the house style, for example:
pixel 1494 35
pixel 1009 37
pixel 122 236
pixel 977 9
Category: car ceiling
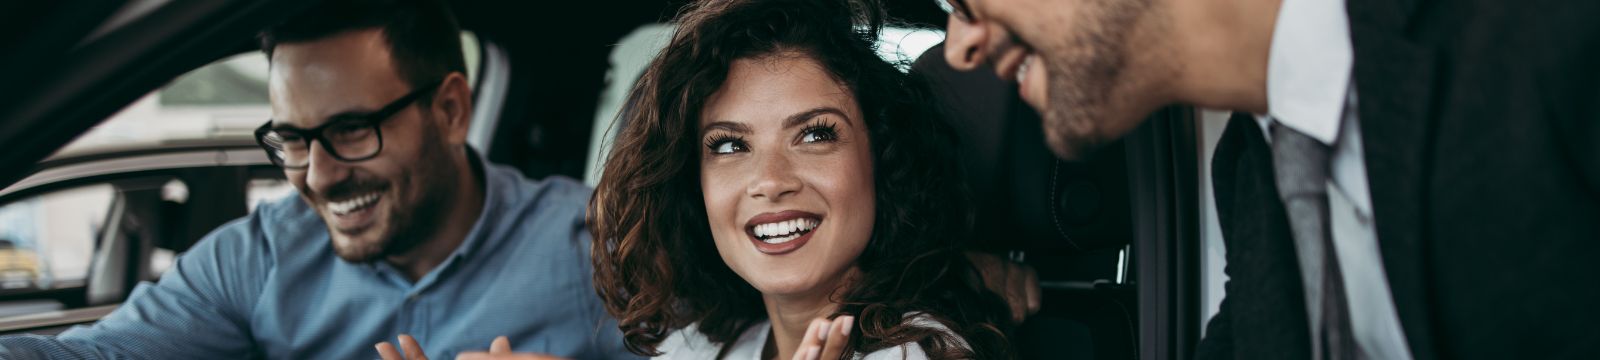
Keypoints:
pixel 65 73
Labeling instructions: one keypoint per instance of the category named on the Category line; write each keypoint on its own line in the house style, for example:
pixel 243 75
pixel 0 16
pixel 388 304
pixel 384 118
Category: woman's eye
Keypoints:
pixel 726 147
pixel 818 135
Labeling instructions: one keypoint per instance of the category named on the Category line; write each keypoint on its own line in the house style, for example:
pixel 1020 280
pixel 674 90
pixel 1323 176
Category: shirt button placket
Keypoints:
pixel 416 315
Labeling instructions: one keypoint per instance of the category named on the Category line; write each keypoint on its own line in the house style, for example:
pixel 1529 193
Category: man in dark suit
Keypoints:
pixel 1420 179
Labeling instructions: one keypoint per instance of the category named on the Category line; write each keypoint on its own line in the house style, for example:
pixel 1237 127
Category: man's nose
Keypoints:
pixel 964 42
pixel 323 170
pixel 774 179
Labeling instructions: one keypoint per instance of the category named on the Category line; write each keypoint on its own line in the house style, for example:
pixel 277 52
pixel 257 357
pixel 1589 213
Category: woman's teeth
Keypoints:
pixel 783 231
pixel 353 204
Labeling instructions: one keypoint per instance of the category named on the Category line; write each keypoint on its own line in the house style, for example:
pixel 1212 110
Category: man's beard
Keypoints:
pixel 409 225
pixel 1083 83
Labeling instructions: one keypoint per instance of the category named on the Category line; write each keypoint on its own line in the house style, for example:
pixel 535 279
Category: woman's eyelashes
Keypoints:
pixel 819 131
pixel 726 144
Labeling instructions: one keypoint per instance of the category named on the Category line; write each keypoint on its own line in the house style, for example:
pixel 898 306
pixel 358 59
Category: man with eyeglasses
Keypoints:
pixel 400 227
pixel 1420 180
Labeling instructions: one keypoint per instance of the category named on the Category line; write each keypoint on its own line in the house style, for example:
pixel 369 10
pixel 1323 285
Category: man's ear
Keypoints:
pixel 452 106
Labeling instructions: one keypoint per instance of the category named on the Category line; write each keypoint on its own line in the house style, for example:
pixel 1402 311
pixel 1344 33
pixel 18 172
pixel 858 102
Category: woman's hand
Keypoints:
pixel 499 349
pixel 388 352
pixel 825 339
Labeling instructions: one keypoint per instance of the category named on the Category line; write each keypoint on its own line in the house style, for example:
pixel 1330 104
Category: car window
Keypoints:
pixel 46 240
pixel 1214 252
pixel 225 100
pixel 898 45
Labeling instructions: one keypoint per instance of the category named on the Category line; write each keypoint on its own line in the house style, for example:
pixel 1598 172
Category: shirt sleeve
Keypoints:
pixel 199 309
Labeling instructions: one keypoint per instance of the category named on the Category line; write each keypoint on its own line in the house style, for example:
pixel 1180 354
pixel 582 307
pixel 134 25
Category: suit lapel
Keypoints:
pixel 1394 81
pixel 1264 286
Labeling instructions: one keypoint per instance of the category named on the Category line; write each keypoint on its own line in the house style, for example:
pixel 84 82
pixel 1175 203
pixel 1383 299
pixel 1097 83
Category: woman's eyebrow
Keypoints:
pixel 797 119
pixel 725 125
pixel 801 117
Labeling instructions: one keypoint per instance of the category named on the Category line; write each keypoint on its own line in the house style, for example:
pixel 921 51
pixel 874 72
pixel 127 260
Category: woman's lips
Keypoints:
pixel 783 232
pixel 783 247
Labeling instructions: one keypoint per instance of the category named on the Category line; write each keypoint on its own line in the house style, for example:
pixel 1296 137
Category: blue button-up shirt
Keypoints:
pixel 269 285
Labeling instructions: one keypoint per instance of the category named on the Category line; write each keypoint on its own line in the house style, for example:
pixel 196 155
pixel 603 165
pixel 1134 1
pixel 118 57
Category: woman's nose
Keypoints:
pixel 774 179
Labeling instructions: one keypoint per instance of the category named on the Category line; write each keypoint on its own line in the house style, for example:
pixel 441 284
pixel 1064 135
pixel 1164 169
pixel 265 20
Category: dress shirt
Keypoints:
pixel 1309 90
pixel 689 344
pixel 269 286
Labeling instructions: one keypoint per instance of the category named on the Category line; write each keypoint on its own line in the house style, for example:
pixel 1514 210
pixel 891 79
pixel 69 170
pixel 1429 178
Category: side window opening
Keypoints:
pixel 45 241
pixel 50 239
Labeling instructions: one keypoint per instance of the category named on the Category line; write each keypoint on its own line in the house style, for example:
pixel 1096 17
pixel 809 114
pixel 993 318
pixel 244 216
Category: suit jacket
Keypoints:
pixel 1480 124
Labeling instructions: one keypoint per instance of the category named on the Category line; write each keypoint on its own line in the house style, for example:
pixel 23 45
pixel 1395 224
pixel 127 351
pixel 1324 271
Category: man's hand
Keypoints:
pixel 825 339
pixel 1016 282
pixel 499 349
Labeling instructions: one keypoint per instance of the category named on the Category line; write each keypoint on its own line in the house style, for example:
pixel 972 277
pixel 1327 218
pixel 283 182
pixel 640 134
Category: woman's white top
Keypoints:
pixel 688 343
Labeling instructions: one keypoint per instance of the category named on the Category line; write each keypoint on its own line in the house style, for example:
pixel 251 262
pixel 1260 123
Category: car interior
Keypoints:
pixel 1116 238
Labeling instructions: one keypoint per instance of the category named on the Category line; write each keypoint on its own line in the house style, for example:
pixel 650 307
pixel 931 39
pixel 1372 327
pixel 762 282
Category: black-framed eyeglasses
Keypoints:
pixel 347 137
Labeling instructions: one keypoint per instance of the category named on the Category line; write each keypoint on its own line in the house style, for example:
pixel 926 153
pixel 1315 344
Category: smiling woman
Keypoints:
pixel 794 164
pixel 774 172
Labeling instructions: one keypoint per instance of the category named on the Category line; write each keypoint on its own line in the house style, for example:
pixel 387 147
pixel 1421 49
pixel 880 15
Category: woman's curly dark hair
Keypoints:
pixel 655 264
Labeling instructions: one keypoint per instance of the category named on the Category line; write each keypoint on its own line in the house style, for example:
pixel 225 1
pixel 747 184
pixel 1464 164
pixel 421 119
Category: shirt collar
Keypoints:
pixel 492 185
pixel 482 228
pixel 1308 67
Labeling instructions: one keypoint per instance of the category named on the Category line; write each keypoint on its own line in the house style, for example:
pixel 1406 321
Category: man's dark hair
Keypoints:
pixel 424 39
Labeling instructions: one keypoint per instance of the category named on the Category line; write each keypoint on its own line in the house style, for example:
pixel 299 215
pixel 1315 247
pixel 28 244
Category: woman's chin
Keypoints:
pixel 785 286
